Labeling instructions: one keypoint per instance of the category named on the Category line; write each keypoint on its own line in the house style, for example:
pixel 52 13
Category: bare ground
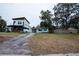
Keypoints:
pixel 7 35
pixel 4 38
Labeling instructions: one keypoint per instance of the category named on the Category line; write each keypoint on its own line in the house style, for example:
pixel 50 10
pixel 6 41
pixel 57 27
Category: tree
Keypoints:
pixel 2 24
pixel 46 20
pixel 43 24
pixel 74 22
pixel 64 13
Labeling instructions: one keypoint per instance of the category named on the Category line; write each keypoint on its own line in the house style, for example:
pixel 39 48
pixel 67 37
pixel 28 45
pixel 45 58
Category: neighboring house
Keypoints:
pixel 33 29
pixel 20 24
pixel 41 30
pixel 72 30
pixel 69 30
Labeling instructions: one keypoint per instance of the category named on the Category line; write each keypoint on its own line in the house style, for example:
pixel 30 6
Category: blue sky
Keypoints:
pixel 29 10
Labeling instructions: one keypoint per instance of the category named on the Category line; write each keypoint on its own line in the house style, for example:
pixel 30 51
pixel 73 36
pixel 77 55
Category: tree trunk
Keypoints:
pixel 51 30
pixel 78 31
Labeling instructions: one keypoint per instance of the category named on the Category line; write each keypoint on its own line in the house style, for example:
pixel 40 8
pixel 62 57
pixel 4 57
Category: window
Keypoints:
pixel 40 29
pixel 19 22
pixel 45 29
pixel 14 22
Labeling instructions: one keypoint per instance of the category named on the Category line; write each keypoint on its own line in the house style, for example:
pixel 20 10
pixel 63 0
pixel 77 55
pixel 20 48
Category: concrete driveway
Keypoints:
pixel 16 46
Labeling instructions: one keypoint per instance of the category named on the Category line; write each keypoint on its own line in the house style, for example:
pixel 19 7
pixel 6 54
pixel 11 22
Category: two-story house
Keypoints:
pixel 20 24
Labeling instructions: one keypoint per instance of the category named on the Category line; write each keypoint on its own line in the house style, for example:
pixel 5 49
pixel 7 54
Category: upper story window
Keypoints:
pixel 19 22
pixel 14 22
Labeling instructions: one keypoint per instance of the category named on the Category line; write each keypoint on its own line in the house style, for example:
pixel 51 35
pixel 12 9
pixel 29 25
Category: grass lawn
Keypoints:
pixel 45 43
pixel 7 35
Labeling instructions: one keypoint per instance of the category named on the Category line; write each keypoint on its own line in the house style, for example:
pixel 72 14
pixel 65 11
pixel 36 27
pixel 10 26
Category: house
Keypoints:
pixel 72 30
pixel 69 30
pixel 20 24
pixel 41 29
pixel 33 29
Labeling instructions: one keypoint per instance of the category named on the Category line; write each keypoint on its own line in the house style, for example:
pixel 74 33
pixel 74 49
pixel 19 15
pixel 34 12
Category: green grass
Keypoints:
pixel 46 43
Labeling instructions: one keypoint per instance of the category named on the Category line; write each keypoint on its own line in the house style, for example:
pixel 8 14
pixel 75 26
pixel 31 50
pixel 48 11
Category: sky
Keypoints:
pixel 29 10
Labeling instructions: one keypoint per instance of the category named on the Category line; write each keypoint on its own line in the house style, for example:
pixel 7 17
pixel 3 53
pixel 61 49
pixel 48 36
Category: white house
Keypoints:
pixel 42 30
pixel 20 24
pixel 72 30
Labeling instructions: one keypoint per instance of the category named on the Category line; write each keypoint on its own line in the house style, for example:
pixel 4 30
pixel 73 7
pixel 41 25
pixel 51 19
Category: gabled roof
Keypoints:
pixel 20 18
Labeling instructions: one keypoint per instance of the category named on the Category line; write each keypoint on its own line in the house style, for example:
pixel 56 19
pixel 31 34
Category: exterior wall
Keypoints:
pixel 30 30
pixel 27 30
pixel 42 30
pixel 26 24
pixel 16 22
pixel 9 29
pixel 23 23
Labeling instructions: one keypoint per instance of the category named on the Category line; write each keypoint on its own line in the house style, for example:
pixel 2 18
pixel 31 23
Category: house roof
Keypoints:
pixel 20 18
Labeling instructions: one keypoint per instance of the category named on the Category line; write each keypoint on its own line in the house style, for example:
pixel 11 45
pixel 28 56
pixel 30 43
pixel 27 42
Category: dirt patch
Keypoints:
pixel 4 38
pixel 8 35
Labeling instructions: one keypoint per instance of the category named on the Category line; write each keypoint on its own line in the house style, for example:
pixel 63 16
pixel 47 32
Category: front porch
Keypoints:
pixel 15 28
